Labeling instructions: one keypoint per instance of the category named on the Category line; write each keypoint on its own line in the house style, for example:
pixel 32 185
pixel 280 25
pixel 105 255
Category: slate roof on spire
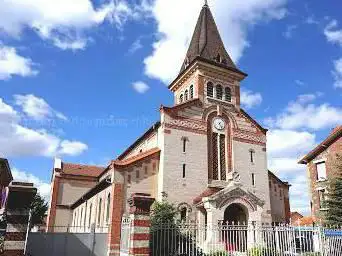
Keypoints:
pixel 206 43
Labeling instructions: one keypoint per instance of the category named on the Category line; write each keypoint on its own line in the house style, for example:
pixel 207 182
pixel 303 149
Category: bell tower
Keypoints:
pixel 208 73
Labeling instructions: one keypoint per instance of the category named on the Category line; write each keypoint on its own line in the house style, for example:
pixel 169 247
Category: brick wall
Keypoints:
pixel 328 155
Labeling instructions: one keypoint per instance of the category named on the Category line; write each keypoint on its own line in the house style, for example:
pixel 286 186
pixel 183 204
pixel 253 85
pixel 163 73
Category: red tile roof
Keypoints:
pixel 308 220
pixel 154 152
pixel 82 170
pixel 206 193
pixel 333 136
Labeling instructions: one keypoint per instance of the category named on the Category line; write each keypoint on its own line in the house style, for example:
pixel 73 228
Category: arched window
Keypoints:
pixel 218 150
pixel 90 213
pixel 99 212
pixel 210 89
pixel 183 214
pixel 181 98
pixel 251 154
pixel 219 92
pixel 108 208
pixel 191 92
pixel 228 94
pixel 186 95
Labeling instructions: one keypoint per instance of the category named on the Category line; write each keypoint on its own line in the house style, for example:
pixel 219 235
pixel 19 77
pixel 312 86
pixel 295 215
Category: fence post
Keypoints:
pixel 140 205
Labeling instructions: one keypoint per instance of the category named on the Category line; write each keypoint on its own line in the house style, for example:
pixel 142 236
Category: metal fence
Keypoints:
pixel 251 240
pixel 68 241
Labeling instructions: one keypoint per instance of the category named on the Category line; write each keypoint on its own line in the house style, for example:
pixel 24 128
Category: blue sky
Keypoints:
pixel 82 80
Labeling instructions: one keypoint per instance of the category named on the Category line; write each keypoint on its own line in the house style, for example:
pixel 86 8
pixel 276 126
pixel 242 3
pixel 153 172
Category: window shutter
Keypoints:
pixel 321 171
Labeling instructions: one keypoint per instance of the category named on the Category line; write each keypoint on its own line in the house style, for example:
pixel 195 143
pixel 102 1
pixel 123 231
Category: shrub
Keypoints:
pixel 261 251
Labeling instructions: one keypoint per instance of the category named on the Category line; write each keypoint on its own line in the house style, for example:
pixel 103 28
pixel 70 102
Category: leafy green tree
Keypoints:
pixel 334 201
pixel 163 213
pixel 167 233
pixel 39 209
pixel 164 231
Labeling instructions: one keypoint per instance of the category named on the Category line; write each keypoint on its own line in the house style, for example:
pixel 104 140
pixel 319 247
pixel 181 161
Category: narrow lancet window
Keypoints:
pixel 219 92
pixel 210 90
pixel 228 94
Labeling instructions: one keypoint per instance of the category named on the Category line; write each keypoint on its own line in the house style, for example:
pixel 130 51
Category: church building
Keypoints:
pixel 205 155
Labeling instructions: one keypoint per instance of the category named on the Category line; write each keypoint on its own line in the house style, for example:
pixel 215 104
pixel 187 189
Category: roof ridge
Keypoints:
pixel 85 165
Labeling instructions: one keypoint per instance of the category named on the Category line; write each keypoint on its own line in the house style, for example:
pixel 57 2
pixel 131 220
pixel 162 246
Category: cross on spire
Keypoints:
pixel 205 2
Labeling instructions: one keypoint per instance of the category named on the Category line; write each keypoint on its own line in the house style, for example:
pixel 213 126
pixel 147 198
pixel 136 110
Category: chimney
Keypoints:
pixel 57 166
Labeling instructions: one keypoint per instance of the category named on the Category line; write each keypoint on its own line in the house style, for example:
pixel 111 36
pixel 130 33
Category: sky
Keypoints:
pixel 82 79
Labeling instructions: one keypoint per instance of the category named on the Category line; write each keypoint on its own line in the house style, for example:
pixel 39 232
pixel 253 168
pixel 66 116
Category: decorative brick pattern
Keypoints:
pixel 140 205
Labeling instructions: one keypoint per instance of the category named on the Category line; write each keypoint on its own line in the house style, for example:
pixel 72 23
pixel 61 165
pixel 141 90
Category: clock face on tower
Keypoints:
pixel 219 124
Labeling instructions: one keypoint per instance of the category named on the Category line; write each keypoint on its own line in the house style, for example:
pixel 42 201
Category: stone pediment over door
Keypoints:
pixel 235 194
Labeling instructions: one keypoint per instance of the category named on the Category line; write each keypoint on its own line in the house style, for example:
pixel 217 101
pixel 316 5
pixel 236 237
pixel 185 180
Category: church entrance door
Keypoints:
pixel 235 228
pixel 235 214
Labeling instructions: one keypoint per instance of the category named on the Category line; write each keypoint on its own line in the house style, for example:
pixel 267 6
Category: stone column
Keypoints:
pixel 140 205
pixel 117 208
pixel 213 234
pixel 17 215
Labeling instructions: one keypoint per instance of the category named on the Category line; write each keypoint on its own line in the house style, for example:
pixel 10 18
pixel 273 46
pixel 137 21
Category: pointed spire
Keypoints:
pixel 206 42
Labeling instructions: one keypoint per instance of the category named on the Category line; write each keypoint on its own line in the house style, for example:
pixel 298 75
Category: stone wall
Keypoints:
pixel 179 189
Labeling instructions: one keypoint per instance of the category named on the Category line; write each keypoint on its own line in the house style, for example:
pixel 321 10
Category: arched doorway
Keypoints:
pixel 234 230
pixel 235 213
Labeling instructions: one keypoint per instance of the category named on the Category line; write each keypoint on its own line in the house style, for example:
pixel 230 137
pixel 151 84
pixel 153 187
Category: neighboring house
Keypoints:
pixel 69 183
pixel 280 199
pixel 205 154
pixel 5 180
pixel 320 162
pixel 295 217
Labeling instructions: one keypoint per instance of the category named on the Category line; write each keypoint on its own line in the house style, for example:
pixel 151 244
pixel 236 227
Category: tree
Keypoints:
pixel 334 202
pixel 169 235
pixel 38 208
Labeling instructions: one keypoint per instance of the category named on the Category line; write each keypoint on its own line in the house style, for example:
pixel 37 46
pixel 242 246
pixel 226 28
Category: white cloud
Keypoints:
pixel 338 73
pixel 36 108
pixel 72 148
pixel 332 33
pixel 303 114
pixel 42 186
pixel 250 99
pixel 140 87
pixel 63 22
pixel 284 148
pixel 73 44
pixel 289 143
pixel 13 64
pixel 289 31
pixel 300 200
pixel 17 140
pixel 176 25
pixel 135 46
